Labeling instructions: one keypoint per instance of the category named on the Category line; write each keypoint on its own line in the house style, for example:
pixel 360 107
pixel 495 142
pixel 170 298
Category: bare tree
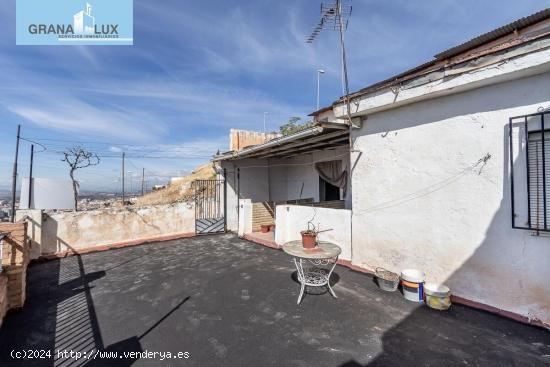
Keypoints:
pixel 77 157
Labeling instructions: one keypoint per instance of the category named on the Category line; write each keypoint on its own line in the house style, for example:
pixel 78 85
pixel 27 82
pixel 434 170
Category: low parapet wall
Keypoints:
pixel 73 232
pixel 335 224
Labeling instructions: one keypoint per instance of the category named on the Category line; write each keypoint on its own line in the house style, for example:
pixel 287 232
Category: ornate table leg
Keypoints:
pixel 301 278
pixel 328 278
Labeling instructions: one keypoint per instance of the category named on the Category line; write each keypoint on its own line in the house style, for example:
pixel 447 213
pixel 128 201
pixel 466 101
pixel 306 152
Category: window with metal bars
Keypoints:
pixel 529 141
pixel 538 178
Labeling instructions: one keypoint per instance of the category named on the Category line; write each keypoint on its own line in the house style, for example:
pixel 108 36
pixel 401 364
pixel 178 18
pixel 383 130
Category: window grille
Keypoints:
pixel 530 161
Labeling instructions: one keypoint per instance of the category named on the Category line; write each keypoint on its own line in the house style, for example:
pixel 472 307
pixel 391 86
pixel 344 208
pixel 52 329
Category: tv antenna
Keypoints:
pixel 335 17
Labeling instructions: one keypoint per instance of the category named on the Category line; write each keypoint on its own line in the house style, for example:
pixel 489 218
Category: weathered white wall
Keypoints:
pixel 277 180
pixel 292 219
pixel 524 61
pixel 245 222
pixel 422 199
pixel 34 229
pixel 78 230
pixel 251 185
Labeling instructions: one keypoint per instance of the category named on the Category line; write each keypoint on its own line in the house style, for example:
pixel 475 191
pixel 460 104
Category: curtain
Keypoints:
pixel 331 171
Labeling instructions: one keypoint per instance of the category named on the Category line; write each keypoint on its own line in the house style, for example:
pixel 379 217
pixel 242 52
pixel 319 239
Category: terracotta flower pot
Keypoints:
pixel 309 239
pixel 264 228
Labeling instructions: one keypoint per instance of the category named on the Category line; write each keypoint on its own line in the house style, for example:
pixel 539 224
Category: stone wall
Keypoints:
pixel 3 297
pixel 15 258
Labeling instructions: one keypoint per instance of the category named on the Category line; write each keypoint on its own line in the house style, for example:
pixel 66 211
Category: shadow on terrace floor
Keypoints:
pixel 60 317
pixel 228 302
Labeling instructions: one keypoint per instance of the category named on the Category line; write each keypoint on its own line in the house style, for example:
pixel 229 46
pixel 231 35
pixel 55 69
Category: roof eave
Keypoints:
pixel 241 154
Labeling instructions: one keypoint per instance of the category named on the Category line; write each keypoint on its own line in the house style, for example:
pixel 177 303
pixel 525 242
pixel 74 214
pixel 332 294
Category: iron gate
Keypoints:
pixel 210 198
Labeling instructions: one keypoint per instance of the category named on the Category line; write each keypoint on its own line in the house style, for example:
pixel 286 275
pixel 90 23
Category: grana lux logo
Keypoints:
pixel 83 26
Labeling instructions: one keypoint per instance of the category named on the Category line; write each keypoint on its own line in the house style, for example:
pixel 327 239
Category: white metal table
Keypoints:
pixel 324 254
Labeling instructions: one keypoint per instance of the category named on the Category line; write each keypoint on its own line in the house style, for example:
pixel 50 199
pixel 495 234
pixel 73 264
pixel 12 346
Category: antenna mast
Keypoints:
pixel 335 16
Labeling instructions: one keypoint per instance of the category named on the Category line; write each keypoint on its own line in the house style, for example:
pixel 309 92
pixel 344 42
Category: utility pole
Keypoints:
pixel 143 182
pixel 319 72
pixel 14 179
pixel 265 114
pixel 123 174
pixel 131 183
pixel 30 177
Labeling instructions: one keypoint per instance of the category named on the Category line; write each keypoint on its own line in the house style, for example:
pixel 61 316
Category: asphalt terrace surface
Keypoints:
pixel 228 302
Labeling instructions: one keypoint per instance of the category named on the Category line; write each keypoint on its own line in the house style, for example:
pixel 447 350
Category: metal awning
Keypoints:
pixel 320 137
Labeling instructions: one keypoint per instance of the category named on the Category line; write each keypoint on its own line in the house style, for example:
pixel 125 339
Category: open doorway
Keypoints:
pixel 327 191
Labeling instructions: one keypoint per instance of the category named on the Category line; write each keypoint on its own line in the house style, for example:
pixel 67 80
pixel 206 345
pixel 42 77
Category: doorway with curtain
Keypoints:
pixel 332 180
pixel 327 191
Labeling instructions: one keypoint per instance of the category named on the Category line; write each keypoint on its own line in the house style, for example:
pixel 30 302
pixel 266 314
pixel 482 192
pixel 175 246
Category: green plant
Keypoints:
pixel 293 125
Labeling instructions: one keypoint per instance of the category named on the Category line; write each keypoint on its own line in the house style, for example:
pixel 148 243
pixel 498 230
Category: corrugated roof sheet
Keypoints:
pixel 494 34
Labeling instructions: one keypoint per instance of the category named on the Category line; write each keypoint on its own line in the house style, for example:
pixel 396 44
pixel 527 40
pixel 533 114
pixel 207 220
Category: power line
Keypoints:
pixel 156 157
pixel 34 142
pixel 101 143
pixel 142 156
pixel 86 142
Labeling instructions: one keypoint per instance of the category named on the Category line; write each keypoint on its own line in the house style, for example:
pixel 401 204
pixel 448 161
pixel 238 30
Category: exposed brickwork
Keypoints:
pixel 3 297
pixel 239 139
pixel 262 213
pixel 15 258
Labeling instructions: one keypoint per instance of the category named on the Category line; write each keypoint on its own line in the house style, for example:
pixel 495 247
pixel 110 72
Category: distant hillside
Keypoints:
pixel 179 190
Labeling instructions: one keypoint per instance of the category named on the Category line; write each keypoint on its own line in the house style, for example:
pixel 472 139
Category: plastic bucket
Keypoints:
pixel 437 296
pixel 413 291
pixel 412 281
pixel 386 280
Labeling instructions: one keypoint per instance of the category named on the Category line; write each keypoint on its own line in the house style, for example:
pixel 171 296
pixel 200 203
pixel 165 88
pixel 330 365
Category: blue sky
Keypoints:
pixel 198 68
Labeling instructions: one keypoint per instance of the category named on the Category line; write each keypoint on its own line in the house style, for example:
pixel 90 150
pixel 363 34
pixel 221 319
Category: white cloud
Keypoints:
pixel 75 116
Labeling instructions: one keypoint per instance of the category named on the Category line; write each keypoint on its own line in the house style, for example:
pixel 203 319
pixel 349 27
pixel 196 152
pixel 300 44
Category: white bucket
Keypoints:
pixel 412 282
pixel 438 296
pixel 413 275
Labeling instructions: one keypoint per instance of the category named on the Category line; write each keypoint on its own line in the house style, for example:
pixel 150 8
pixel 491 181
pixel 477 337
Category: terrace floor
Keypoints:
pixel 229 302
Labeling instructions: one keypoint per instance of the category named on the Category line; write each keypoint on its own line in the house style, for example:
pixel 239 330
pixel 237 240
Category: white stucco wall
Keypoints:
pixel 421 198
pixel 277 180
pixel 245 222
pixel 252 185
pixel 86 229
pixel 292 219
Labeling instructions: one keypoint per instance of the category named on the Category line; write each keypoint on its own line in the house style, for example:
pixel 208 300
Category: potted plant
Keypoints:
pixel 265 228
pixel 309 236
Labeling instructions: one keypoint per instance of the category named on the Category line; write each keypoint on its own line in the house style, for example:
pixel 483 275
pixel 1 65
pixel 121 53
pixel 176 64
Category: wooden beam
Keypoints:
pixel 300 143
pixel 306 148
pixel 333 146
pixel 334 125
